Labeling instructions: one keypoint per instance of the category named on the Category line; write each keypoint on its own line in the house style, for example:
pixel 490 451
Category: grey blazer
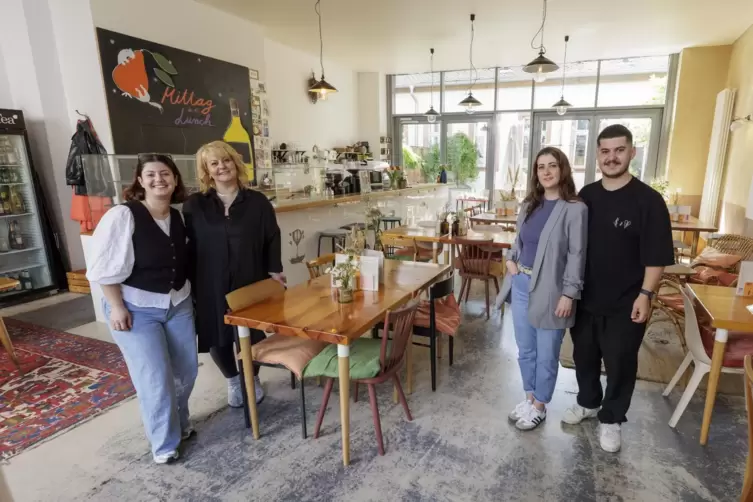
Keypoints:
pixel 558 267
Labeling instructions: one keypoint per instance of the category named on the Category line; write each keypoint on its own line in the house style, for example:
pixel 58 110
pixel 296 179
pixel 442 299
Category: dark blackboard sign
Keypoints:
pixel 167 100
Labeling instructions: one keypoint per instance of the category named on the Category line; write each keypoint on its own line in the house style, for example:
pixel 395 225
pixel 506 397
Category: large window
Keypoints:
pixel 516 118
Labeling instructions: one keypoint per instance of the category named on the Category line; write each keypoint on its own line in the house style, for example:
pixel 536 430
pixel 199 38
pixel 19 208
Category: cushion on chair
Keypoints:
pixel 738 345
pixel 673 301
pixel 292 352
pixel 364 360
pixel 716 259
pixel 447 313
pixel 712 276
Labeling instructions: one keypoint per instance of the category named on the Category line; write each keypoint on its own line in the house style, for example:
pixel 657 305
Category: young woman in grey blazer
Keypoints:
pixel 544 278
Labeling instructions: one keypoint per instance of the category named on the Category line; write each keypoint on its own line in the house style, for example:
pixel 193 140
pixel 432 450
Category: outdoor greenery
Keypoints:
pixel 462 159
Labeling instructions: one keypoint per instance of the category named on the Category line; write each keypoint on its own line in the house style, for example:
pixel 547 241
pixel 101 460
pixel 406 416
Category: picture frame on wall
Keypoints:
pixel 253 74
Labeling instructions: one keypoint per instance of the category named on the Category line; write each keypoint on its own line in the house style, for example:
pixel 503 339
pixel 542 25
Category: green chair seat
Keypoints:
pixel 364 360
pixel 400 257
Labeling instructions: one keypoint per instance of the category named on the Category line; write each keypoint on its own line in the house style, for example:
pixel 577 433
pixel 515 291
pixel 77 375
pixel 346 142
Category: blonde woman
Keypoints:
pixel 234 241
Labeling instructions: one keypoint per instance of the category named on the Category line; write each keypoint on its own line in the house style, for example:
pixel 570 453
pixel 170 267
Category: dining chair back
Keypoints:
pixel 474 257
pixel 747 493
pixel 399 247
pixel 697 355
pixel 317 266
pixel 400 322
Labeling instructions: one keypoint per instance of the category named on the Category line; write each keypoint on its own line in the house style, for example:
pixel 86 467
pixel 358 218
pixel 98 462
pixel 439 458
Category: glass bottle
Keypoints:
pixel 14 236
pixel 4 246
pixel 5 200
pixel 16 202
pixel 26 280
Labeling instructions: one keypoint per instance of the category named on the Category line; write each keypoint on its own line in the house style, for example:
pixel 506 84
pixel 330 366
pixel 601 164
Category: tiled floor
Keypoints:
pixel 458 447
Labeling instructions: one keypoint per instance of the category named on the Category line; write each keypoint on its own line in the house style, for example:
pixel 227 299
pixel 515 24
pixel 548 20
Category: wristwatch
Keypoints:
pixel 648 293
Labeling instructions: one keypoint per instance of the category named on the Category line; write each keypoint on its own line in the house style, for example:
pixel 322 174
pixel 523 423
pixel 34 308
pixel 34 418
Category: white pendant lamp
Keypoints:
pixel 432 114
pixel 562 105
pixel 470 103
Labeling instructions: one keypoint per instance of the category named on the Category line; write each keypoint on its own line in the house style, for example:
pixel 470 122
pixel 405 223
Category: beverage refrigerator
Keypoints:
pixel 28 247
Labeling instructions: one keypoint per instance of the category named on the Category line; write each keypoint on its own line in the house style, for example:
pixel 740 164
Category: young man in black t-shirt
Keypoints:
pixel 629 244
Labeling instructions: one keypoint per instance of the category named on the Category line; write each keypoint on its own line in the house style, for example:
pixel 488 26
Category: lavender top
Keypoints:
pixel 531 231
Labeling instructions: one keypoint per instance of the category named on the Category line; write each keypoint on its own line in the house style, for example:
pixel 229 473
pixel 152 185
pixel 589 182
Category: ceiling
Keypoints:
pixel 394 36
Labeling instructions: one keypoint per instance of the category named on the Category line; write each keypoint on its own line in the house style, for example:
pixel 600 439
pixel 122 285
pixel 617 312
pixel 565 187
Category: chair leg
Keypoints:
pixel 355 392
pixel 8 345
pixel 698 372
pixel 402 398
pixel 323 408
pixel 439 346
pixel 462 289
pixel 678 374
pixel 319 247
pixel 433 358
pixel 486 284
pixel 375 415
pixel 303 411
pixel 292 380
pixel 496 284
pixel 452 347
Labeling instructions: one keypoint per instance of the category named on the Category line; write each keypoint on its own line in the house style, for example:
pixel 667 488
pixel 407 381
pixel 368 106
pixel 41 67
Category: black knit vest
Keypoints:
pixel 160 261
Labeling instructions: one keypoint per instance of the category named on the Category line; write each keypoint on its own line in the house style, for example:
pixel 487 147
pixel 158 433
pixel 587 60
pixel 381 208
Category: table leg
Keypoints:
pixel 720 343
pixel 244 335
pixel 446 256
pixel 694 245
pixel 343 358
pixel 434 252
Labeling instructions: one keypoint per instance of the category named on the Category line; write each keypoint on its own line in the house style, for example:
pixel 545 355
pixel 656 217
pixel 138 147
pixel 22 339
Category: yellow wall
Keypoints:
pixel 740 153
pixel 702 73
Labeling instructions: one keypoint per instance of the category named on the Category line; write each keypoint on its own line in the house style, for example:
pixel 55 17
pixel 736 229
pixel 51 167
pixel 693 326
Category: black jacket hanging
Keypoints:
pixel 85 142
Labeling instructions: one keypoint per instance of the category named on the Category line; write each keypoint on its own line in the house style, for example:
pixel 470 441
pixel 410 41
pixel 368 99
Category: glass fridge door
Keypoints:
pixel 23 254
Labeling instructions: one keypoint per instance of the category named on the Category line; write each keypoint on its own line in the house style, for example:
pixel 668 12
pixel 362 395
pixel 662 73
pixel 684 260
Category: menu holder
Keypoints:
pixel 745 279
pixel 379 257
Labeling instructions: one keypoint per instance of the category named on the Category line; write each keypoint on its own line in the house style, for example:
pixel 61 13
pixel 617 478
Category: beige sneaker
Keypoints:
pixel 577 413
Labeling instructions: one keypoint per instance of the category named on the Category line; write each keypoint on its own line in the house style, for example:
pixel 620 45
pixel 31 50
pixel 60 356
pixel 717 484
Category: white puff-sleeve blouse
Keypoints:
pixel 111 259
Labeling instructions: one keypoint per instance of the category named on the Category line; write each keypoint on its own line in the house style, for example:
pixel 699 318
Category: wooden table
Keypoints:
pixel 682 272
pixel 7 284
pixel 310 310
pixel 494 218
pixel 727 313
pixel 695 227
pixel 500 238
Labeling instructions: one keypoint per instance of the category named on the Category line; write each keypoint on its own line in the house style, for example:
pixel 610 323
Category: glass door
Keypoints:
pixel 419 149
pixel 469 149
pixel 575 134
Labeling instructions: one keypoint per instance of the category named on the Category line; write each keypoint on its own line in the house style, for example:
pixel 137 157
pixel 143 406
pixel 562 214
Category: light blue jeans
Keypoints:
pixel 160 352
pixel 538 349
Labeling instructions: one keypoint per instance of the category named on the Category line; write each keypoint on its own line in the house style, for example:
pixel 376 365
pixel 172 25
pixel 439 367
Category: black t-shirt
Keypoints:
pixel 629 229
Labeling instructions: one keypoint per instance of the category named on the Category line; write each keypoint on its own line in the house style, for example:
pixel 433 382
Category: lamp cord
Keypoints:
pixel 541 47
pixel 473 68
pixel 318 11
pixel 431 97
pixel 564 67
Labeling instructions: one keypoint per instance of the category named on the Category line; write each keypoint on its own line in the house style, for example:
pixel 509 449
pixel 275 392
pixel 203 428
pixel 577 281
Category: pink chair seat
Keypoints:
pixel 447 315
pixel 292 352
pixel 738 346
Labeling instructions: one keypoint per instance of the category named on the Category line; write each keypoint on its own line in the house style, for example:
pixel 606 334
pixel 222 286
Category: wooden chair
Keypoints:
pixel 474 262
pixel 317 266
pixel 6 284
pixel 735 244
pixel 700 341
pixel 276 351
pixel 373 361
pixel 399 248
pixel 747 494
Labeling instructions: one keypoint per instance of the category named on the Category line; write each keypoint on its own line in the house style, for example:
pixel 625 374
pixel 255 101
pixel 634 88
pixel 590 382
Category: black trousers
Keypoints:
pixel 616 339
pixel 225 358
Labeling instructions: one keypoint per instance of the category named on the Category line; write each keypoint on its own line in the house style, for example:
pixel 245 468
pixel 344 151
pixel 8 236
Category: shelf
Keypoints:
pixel 24 250
pixel 23 267
pixel 11 184
pixel 3 216
pixel 12 165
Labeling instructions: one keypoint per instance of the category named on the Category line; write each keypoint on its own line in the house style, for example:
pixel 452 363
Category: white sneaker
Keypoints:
pixel 531 420
pixel 234 392
pixel 610 437
pixel 259 390
pixel 167 458
pixel 520 410
pixel 577 413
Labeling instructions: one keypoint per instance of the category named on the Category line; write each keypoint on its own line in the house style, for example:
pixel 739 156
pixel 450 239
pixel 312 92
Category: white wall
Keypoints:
pixel 293 117
pixel 372 109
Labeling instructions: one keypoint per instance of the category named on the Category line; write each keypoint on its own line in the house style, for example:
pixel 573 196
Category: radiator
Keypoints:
pixel 712 186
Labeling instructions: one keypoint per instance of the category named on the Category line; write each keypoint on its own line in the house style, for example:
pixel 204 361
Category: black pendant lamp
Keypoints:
pixel 561 106
pixel 470 103
pixel 432 114
pixel 542 65
pixel 322 88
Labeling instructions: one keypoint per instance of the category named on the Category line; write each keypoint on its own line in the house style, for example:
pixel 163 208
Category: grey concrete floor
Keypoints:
pixel 459 446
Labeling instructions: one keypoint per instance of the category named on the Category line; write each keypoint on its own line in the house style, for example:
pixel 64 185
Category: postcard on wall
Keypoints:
pixel 745 279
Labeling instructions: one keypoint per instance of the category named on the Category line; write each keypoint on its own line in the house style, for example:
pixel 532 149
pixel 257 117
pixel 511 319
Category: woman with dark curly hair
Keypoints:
pixel 139 257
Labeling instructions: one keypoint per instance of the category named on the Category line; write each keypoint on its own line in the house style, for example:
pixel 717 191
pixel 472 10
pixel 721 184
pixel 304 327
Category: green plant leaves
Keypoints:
pixel 164 77
pixel 164 64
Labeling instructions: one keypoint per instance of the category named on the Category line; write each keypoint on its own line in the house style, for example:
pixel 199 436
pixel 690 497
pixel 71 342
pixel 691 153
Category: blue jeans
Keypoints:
pixel 538 349
pixel 160 352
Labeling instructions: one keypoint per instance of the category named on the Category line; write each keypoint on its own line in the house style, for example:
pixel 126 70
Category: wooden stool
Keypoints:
pixel 6 284
pixel 390 222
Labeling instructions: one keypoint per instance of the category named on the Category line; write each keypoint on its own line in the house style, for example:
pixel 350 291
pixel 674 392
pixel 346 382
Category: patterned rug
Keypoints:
pixel 68 379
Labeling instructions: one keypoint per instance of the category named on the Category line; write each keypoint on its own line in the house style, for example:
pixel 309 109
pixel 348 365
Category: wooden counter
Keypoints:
pixel 287 205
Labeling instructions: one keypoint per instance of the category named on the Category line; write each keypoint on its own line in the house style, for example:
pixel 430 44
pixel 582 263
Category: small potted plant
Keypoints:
pixel 374 222
pixel 674 205
pixel 345 275
pixel 397 178
pixel 460 225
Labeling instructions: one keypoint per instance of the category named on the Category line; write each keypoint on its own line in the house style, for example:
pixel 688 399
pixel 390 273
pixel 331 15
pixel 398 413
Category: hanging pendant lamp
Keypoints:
pixel 470 103
pixel 542 65
pixel 432 114
pixel 561 106
pixel 322 88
